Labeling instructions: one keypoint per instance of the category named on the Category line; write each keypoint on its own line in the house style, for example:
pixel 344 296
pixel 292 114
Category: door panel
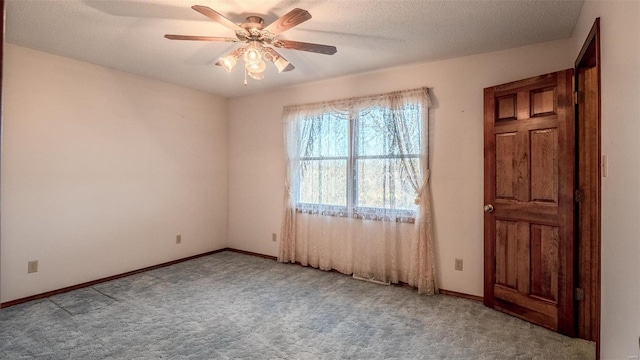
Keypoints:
pixel 529 174
pixel 506 253
pixel 505 165
pixel 543 102
pixel 544 262
pixel 544 165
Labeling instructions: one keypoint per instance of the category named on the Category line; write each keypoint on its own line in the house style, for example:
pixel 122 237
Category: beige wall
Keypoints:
pixel 256 159
pixel 101 170
pixel 620 42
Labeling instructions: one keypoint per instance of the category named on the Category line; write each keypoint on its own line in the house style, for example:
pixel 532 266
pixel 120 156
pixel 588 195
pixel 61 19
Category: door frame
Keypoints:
pixel 2 26
pixel 588 171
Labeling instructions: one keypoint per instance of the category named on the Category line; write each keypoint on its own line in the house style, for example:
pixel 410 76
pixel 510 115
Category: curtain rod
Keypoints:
pixel 365 97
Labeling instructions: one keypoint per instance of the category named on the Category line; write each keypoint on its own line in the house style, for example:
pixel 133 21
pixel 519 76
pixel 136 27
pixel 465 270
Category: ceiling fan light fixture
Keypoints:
pixel 256 76
pixel 257 68
pixel 281 64
pixel 253 54
pixel 228 62
pixel 256 36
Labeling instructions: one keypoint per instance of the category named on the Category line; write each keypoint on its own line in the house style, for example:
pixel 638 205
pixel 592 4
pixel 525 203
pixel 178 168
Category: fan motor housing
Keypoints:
pixel 254 26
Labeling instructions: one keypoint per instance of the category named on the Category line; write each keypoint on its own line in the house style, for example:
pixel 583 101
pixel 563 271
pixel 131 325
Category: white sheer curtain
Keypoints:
pixel 357 195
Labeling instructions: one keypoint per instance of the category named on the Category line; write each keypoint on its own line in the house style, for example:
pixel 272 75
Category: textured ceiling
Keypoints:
pixel 369 34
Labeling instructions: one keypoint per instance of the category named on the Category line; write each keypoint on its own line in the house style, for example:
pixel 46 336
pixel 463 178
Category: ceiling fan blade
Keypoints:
pixel 280 62
pixel 199 38
pixel 297 45
pixel 217 17
pixel 289 20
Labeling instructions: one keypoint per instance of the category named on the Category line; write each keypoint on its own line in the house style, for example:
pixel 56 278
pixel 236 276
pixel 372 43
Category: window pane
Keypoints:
pixel 323 182
pixel 382 183
pixel 326 135
pixel 382 131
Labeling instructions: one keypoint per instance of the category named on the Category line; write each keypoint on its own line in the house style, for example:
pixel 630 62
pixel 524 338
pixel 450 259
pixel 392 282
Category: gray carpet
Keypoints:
pixel 230 306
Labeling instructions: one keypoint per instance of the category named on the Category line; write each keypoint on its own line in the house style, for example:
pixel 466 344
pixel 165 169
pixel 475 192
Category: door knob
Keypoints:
pixel 488 208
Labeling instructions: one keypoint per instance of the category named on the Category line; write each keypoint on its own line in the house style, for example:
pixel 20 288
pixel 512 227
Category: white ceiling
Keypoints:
pixel 369 34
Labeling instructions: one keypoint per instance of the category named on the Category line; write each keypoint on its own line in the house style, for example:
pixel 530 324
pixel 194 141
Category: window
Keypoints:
pixel 362 162
pixel 352 159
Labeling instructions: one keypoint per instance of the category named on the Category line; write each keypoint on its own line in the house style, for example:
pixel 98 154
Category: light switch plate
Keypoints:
pixel 459 264
pixel 32 266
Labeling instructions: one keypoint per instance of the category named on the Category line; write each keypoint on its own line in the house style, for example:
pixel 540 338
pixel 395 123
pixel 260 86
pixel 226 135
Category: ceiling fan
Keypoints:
pixel 256 36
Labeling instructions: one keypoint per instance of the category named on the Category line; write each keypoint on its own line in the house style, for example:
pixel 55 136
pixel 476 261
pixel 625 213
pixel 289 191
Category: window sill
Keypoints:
pixel 375 214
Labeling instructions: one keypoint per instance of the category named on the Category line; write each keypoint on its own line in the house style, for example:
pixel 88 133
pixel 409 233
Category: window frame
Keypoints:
pixel 351 195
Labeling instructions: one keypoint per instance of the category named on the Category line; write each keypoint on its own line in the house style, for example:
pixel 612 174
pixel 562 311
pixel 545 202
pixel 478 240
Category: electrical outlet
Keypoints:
pixel 32 266
pixel 274 237
pixel 459 264
pixel 178 239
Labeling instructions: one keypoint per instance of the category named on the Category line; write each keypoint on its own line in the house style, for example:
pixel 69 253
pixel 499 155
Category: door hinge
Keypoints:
pixel 576 97
pixel 578 195
pixel 579 294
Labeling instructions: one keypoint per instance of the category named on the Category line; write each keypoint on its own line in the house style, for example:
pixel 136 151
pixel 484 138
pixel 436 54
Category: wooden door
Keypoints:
pixel 529 182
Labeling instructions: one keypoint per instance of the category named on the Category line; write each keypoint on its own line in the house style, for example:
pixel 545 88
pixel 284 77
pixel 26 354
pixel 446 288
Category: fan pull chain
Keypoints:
pixel 245 76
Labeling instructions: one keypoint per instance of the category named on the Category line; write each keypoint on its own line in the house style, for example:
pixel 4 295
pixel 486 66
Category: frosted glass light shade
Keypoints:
pixel 256 76
pixel 252 56
pixel 257 68
pixel 281 64
pixel 228 62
